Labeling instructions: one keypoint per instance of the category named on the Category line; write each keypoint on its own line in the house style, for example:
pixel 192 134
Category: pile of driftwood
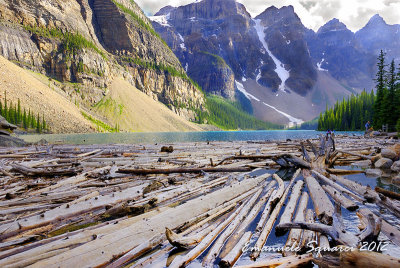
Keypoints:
pixel 135 205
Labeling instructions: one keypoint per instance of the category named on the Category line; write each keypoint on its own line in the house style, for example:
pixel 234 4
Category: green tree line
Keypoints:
pixel 231 115
pixel 19 116
pixel 382 108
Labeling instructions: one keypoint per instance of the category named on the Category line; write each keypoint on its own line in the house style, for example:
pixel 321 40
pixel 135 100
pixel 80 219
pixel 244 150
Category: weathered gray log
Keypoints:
pixel 186 242
pixel 292 159
pixel 218 245
pixel 338 234
pixel 268 226
pixel 183 260
pixel 27 171
pixel 339 198
pixel 369 194
pixel 356 154
pixel 388 229
pixel 357 259
pixel 294 236
pixel 290 206
pixel 387 193
pixel 323 207
pixel 337 186
pixel 245 157
pixel 230 259
pixel 308 236
pixel 180 170
pixel 292 261
pixel 336 171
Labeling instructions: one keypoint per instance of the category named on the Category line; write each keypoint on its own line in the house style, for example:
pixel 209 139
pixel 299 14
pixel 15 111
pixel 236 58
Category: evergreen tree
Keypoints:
pixel 5 106
pixel 390 102
pixel 19 115
pixel 44 125
pixel 38 129
pixel 380 91
pixel 25 120
pixel 348 114
pixel 397 95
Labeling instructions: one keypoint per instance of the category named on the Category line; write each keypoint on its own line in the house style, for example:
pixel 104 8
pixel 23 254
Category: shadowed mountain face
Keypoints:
pixel 225 28
pixel 284 34
pixel 218 42
pixel 334 49
pixel 377 35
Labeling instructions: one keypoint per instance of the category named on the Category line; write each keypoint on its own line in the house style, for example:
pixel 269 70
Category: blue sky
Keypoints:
pixel 313 13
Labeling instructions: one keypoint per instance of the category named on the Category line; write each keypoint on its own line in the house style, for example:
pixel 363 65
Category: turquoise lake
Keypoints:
pixel 171 137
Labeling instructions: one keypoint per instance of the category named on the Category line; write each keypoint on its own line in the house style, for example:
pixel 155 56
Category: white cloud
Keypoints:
pixel 313 13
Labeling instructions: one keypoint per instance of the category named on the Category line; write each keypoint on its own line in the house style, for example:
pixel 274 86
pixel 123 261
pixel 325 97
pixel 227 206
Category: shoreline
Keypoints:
pixel 174 137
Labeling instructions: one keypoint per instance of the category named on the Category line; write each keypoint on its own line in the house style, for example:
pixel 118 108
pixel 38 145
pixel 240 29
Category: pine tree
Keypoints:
pixel 15 115
pixel 38 129
pixel 33 121
pixel 44 125
pixel 25 120
pixel 5 106
pixel 19 115
pixel 11 113
pixel 380 91
pixel 390 103
pixel 29 119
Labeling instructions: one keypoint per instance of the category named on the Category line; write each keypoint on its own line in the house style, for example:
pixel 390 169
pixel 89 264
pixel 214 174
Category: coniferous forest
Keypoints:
pixel 21 117
pixel 380 108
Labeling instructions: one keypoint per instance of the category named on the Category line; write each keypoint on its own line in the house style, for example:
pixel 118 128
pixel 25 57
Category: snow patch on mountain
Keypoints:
pixel 292 119
pixel 162 20
pixel 241 88
pixel 280 68
pixel 319 65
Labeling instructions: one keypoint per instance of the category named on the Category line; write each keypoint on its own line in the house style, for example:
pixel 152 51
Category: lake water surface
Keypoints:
pixel 171 137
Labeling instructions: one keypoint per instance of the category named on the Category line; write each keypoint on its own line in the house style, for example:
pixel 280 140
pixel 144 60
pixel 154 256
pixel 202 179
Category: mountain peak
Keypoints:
pixel 165 10
pixel 332 26
pixel 274 14
pixel 376 19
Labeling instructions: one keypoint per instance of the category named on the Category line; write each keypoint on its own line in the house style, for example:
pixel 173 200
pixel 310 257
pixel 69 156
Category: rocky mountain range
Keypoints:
pixel 84 46
pixel 288 72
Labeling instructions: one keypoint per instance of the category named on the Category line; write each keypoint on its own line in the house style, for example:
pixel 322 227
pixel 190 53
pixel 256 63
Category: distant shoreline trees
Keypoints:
pixel 381 109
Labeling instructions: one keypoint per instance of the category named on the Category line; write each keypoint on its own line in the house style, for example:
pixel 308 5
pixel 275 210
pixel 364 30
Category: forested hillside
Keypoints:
pixel 230 115
pixel 380 109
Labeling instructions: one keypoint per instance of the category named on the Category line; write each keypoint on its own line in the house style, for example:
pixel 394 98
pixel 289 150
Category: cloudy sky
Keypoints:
pixel 313 13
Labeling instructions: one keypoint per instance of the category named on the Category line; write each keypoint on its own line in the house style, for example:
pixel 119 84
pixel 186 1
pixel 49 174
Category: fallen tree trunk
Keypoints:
pixel 387 193
pixel 323 207
pixel 290 207
pixel 366 157
pixel 270 223
pixel 292 261
pixel 358 259
pixel 181 170
pixel 294 236
pixel 183 260
pixel 339 198
pixel 336 171
pixel 218 245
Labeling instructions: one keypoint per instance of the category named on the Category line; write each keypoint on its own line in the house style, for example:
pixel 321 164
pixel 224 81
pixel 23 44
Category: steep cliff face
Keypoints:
pixel 284 35
pixel 335 50
pixel 377 35
pixel 220 27
pixel 91 42
pixel 270 48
